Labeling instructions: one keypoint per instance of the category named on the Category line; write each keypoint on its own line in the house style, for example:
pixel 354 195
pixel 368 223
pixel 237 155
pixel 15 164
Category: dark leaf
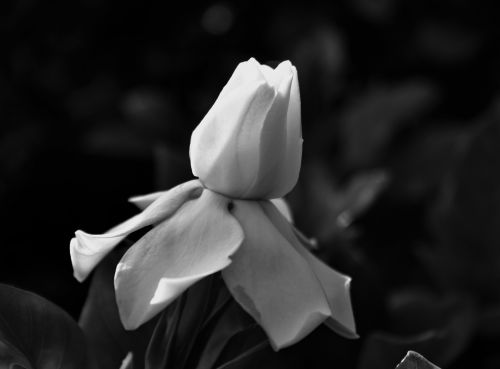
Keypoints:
pixel 467 256
pixel 101 323
pixel 334 207
pixel 36 334
pixel 414 360
pixel 446 327
pixel 370 122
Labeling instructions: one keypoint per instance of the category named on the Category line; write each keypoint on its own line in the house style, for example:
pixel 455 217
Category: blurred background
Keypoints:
pixel 400 182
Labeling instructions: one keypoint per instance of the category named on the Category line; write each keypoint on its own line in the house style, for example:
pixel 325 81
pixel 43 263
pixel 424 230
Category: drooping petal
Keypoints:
pixel 196 241
pixel 335 285
pixel 272 281
pixel 87 250
pixel 143 201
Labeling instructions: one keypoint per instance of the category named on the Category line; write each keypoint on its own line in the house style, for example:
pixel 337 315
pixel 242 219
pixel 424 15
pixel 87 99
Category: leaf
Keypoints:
pixel 370 122
pixel 101 323
pixel 414 360
pixel 36 334
pixel 467 256
pixel 334 207
pixel 421 164
pixel 439 328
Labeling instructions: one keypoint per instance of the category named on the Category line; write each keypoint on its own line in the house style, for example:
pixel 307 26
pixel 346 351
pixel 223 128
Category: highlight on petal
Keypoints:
pixel 196 241
pixel 290 174
pixel 273 161
pixel 246 72
pixel 87 250
pixel 283 208
pixel 335 285
pixel 225 146
pixel 272 281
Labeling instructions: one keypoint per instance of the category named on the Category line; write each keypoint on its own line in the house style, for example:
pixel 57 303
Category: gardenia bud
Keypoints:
pixel 249 145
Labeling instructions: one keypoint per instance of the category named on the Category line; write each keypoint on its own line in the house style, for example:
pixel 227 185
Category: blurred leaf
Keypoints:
pixel 445 329
pixel 374 10
pixel 151 112
pixel 371 120
pixel 414 360
pixel 96 99
pixel 444 42
pixel 421 165
pixel 36 334
pixel 101 323
pixel 333 207
pixel 467 256
pixel 489 322
pixel 320 56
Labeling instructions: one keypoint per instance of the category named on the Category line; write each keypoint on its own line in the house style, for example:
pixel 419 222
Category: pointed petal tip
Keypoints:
pixel 308 327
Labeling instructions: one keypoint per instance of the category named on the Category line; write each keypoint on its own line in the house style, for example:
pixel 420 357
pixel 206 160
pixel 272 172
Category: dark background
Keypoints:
pixel 98 100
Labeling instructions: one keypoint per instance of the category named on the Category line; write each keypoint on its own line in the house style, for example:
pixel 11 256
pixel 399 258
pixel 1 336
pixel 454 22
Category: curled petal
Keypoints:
pixel 272 281
pixel 334 284
pixel 193 243
pixel 87 250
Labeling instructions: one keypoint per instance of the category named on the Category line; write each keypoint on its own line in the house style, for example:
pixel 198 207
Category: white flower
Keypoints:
pixel 249 145
pixel 208 225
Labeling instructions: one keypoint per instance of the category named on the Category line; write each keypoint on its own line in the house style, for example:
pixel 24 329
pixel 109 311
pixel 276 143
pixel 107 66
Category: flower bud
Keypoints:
pixel 249 145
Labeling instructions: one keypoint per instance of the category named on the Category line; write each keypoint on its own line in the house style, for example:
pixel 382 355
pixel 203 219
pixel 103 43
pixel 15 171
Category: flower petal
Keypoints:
pixel 143 201
pixel 273 147
pixel 224 148
pixel 290 173
pixel 272 281
pixel 87 250
pixel 245 72
pixel 193 243
pixel 335 285
pixel 283 208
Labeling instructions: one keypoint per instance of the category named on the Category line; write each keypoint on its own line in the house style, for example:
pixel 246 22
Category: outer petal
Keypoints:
pixel 272 281
pixel 245 72
pixel 289 174
pixel 87 250
pixel 335 284
pixel 195 242
pixel 225 146
pixel 273 147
